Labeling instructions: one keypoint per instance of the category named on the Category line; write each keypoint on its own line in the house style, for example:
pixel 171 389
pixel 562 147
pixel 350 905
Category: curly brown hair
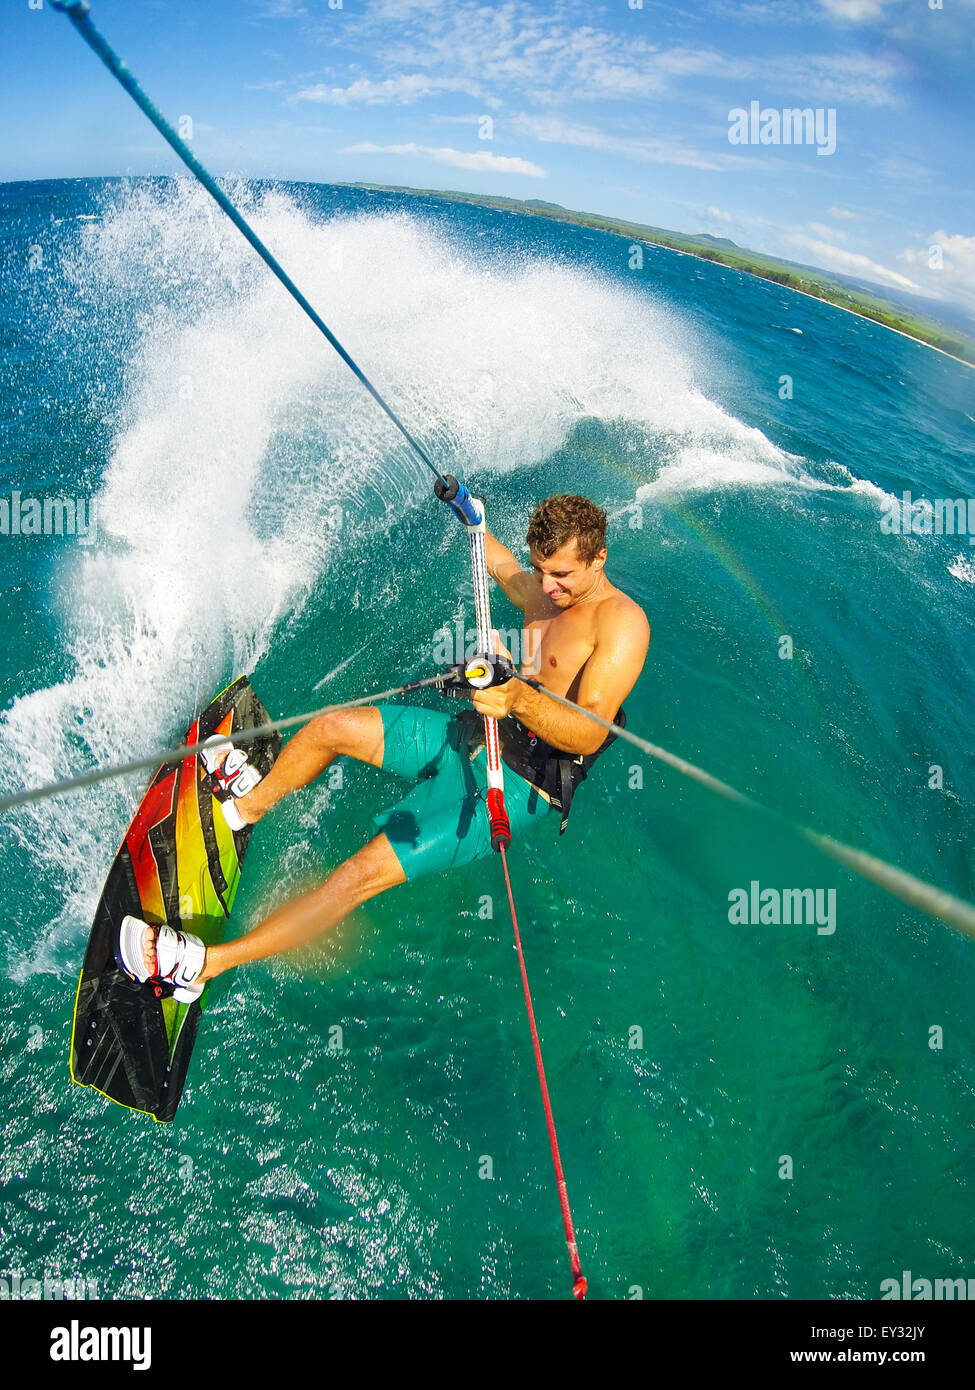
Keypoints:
pixel 556 520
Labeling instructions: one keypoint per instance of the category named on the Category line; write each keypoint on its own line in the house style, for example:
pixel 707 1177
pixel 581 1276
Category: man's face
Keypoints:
pixel 565 576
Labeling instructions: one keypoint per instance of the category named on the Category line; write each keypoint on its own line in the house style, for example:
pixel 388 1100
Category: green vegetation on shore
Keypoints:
pixel 818 283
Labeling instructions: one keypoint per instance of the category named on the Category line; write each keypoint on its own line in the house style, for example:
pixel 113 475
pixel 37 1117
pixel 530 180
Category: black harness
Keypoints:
pixel 551 770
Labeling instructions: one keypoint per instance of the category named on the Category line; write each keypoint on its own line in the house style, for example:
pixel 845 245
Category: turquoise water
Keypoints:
pixel 255 512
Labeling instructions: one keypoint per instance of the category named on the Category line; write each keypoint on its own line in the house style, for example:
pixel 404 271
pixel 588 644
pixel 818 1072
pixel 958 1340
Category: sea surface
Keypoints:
pixel 752 1111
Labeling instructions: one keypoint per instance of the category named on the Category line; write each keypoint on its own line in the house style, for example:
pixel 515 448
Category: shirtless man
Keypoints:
pixel 589 642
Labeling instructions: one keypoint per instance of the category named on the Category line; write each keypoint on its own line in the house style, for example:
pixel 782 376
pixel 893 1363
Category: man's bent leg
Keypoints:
pixel 370 871
pixel 354 733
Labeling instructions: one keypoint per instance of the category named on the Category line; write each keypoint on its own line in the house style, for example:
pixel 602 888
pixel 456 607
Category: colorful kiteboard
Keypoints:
pixel 179 863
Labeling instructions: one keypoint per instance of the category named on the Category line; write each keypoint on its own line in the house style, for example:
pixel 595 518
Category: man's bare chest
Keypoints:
pixel 557 648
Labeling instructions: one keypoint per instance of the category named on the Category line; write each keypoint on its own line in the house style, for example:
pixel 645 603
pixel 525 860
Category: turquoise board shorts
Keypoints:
pixel 443 821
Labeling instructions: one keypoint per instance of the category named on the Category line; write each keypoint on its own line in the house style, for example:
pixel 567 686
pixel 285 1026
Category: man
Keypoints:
pixel 586 640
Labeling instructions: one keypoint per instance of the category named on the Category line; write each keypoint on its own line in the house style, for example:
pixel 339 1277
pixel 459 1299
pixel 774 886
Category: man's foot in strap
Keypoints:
pixel 233 777
pixel 162 955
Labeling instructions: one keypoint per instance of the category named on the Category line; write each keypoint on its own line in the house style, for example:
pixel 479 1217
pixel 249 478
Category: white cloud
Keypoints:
pixel 843 214
pixel 822 230
pixel 720 215
pixel 403 90
pixel 540 56
pixel 472 118
pixel 777 12
pixel 850 262
pixel 281 9
pixel 904 170
pixel 553 130
pixel 603 71
pixel 538 51
pixel 399 10
pixel 834 77
pixel 480 162
pixel 956 275
pixel 855 11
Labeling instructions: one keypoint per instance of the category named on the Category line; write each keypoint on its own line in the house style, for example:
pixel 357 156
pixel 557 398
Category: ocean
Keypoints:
pixel 748 1110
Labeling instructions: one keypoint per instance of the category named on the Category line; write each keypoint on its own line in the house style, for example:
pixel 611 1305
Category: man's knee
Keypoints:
pixel 353 733
pixel 374 868
pixel 330 729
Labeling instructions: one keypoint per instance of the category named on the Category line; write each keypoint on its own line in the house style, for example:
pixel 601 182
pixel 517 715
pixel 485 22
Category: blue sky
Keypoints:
pixel 618 108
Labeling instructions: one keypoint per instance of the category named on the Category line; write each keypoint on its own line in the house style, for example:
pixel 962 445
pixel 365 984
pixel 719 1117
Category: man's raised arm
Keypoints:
pixel 505 570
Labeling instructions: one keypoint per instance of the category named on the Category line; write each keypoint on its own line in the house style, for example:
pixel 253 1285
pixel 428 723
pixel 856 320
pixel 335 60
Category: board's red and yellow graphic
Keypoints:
pixel 156 808
pixel 179 863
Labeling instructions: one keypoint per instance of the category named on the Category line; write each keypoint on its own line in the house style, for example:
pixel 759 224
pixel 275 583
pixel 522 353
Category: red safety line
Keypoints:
pixel 579 1281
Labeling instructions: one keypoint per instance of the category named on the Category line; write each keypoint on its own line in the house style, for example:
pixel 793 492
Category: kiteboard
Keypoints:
pixel 179 863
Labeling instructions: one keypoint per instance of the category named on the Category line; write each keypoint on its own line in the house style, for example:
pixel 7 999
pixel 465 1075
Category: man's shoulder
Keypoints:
pixel 619 615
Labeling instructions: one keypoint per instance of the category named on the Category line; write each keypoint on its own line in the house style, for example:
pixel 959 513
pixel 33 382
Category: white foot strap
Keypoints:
pixel 180 957
pixel 231 771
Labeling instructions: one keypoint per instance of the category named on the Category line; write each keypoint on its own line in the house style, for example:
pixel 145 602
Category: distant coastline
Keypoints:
pixel 813 283
pixel 857 313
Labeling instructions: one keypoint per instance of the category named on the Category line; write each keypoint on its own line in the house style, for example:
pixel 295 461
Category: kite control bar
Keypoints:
pixel 480 673
pixel 470 511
